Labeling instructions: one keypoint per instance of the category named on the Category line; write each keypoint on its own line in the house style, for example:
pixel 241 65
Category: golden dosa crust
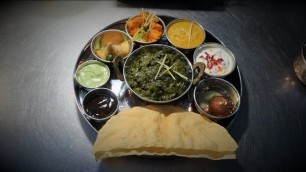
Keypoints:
pixel 163 130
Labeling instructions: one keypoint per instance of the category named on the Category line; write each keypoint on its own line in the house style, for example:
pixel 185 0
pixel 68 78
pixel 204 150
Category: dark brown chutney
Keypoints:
pixel 100 106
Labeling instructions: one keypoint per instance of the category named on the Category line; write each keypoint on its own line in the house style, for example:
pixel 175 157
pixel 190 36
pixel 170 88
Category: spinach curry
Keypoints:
pixel 159 75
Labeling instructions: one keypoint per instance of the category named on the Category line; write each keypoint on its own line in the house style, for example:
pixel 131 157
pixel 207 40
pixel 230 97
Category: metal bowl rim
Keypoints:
pixel 199 48
pixel 87 63
pixel 210 115
pixel 176 20
pixel 141 42
pixel 108 92
pixel 110 30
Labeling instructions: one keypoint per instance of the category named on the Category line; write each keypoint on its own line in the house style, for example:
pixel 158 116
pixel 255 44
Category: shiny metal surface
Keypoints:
pixel 127 97
pixel 39 44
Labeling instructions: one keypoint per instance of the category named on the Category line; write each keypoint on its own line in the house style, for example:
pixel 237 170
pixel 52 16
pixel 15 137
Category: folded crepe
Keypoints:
pixel 163 130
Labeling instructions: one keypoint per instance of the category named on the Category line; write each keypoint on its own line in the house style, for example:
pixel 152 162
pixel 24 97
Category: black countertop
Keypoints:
pixel 41 128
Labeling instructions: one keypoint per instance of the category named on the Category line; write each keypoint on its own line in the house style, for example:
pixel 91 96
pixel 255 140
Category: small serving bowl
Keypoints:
pixel 219 60
pixel 118 47
pixel 207 89
pixel 160 22
pixel 97 72
pixel 175 28
pixel 100 104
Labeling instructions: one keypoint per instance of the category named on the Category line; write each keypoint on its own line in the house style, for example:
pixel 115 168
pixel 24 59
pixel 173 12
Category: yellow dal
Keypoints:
pixel 178 33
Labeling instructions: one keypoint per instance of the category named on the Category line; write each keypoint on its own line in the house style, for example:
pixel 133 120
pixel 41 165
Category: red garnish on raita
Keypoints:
pixel 211 61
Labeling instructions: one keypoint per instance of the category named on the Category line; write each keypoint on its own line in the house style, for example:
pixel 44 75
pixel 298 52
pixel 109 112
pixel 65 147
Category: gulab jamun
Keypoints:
pixel 220 106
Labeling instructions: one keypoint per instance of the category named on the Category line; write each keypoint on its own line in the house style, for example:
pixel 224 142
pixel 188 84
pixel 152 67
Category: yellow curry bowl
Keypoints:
pixel 185 34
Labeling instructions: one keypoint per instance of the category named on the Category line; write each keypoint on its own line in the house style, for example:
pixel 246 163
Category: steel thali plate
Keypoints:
pixel 125 96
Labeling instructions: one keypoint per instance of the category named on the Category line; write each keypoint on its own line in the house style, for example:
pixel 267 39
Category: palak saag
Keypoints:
pixel 158 73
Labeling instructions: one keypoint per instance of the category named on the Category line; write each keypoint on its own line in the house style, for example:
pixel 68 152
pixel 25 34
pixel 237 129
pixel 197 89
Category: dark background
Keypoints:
pixel 41 128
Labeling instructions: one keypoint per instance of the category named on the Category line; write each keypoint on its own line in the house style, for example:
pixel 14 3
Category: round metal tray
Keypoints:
pixel 126 98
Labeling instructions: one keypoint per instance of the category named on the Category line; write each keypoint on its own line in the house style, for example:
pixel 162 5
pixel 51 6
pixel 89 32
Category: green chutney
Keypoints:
pixel 93 75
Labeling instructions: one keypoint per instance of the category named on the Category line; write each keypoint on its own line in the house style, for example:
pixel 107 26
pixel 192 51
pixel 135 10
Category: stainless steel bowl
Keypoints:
pixel 88 63
pixel 125 35
pixel 146 43
pixel 155 48
pixel 230 60
pixel 221 87
pixel 92 96
pixel 184 49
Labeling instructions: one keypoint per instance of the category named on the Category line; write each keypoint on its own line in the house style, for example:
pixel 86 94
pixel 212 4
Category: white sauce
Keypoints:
pixel 218 62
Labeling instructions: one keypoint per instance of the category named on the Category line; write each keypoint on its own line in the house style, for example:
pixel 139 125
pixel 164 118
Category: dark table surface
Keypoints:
pixel 41 128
